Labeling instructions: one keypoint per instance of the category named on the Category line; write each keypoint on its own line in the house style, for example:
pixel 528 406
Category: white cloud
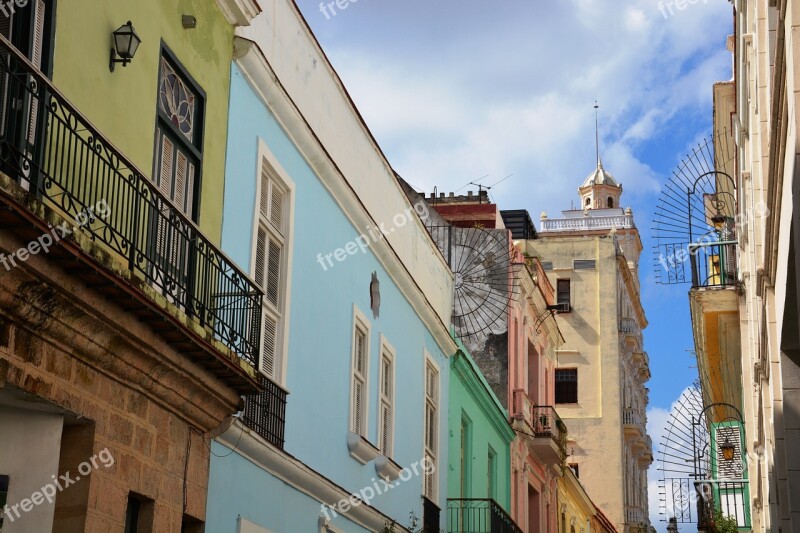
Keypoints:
pixel 496 99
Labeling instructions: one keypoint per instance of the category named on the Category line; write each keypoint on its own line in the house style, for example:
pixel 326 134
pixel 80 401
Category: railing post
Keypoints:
pixel 137 215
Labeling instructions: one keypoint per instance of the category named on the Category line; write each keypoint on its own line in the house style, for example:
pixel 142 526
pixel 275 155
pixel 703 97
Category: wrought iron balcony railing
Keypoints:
pixel 265 412
pixel 712 264
pixel 56 154
pixel 547 423
pixel 475 515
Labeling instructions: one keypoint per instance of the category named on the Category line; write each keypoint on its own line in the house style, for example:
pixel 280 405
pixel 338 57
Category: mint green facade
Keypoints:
pixel 480 436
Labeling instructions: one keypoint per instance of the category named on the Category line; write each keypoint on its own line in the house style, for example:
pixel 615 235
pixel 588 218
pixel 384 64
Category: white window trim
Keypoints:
pixel 359 319
pixel 282 343
pixel 429 361
pixel 388 350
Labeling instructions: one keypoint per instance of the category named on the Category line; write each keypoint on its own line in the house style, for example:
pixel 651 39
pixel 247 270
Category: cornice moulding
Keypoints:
pixel 239 12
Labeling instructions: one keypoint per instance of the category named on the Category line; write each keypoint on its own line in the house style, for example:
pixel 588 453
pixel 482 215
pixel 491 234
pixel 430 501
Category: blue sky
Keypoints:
pixel 456 90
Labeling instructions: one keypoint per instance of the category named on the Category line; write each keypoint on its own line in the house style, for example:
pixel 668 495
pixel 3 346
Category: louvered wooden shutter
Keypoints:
pixel 386 437
pixel 261 245
pixel 276 207
pixel 358 406
pixel 268 352
pixel 359 381
pixel 273 273
pixel 264 199
pixel 36 59
pixel 181 169
pixel 165 187
pixel 429 479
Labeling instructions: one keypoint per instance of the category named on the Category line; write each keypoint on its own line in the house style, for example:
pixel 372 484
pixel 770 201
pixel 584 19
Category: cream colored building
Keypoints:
pixel 591 257
pixel 757 113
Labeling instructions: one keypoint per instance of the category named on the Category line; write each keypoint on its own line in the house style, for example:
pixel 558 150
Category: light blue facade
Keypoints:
pixel 318 374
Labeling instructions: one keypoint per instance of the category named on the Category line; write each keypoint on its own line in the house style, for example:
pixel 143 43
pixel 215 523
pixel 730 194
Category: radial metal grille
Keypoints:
pixel 697 205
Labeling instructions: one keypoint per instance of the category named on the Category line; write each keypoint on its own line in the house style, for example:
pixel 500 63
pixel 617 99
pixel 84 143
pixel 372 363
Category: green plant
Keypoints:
pixel 723 524
pixel 413 522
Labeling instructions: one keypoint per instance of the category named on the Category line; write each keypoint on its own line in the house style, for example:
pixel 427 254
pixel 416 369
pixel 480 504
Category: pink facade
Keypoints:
pixel 531 365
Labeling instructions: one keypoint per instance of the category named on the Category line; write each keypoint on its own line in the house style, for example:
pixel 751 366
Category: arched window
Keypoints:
pixel 610 202
pixel 588 201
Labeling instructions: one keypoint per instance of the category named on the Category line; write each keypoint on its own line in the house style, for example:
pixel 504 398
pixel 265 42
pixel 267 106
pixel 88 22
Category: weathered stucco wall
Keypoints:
pixel 122 104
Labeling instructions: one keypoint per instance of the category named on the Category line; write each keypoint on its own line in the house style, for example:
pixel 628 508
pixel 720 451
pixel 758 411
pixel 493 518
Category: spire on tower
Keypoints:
pixel 597 135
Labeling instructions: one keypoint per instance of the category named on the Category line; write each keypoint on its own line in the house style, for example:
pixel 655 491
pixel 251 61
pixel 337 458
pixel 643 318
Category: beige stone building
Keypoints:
pixel 759 371
pixel 591 257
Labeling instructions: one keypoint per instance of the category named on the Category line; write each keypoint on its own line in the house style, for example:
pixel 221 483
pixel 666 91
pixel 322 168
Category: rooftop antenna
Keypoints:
pixel 472 183
pixel 597 134
pixel 487 187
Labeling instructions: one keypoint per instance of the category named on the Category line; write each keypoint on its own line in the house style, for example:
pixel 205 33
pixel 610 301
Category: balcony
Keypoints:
pixel 632 424
pixel 714 265
pixel 144 255
pixel 628 326
pixel 473 515
pixel 633 515
pixel 265 412
pixel 522 411
pixel 549 435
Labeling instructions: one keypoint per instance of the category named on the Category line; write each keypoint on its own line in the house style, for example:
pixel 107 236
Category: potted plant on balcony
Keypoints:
pixel 722 524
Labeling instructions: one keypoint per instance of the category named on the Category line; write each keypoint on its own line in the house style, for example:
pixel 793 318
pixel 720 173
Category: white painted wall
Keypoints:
pixel 30 442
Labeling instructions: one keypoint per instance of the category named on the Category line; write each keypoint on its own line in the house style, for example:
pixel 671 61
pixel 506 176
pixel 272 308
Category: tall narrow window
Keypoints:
pixel 567 385
pixel 178 156
pixel 431 429
pixel 466 456
pixel 386 401
pixel 360 372
pixel 563 293
pixel 178 135
pixel 269 267
pixel 30 30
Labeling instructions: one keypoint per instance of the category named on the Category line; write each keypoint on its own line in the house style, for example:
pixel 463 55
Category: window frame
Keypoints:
pixel 568 303
pixel 491 471
pixel 265 158
pixel 433 399
pixel 387 352
pixel 164 125
pixel 360 321
pixel 556 381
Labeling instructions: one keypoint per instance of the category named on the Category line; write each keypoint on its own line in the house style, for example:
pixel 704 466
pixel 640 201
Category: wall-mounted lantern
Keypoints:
pixel 125 44
pixel 728 449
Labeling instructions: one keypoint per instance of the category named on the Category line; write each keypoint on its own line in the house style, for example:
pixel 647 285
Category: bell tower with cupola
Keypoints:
pixel 600 190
